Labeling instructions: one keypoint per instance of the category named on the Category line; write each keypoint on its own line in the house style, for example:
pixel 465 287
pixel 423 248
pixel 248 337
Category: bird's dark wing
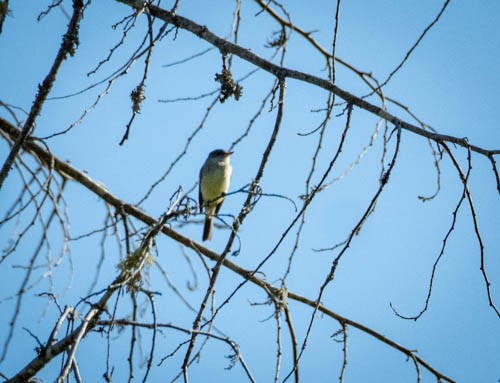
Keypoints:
pixel 217 208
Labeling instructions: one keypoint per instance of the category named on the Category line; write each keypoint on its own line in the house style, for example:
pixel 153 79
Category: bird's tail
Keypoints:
pixel 207 229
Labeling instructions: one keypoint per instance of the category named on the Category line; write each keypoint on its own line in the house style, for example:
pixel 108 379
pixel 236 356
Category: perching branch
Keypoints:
pixel 68 171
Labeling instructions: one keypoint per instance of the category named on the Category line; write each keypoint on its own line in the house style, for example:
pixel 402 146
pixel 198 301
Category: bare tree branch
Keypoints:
pixel 282 72
pixel 64 344
pixel 68 46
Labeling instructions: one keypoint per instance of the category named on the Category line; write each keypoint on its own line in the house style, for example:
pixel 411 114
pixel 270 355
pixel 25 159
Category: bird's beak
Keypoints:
pixel 229 153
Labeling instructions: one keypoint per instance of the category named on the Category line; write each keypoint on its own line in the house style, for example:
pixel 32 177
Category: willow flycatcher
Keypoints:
pixel 215 175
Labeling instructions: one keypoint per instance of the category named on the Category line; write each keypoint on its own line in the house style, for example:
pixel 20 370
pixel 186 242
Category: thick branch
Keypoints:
pixel 70 172
pixel 135 264
pixel 227 47
pixel 50 352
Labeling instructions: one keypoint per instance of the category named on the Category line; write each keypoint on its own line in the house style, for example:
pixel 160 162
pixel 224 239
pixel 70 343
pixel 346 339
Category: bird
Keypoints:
pixel 215 176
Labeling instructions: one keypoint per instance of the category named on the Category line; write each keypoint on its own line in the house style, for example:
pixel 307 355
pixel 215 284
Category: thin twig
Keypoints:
pixel 68 46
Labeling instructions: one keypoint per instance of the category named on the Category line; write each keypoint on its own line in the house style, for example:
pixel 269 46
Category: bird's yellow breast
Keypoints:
pixel 215 183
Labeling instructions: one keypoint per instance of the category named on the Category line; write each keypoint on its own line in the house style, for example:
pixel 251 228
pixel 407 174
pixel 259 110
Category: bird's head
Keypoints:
pixel 219 155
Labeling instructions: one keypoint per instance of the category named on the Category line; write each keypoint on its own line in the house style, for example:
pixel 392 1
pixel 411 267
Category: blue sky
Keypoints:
pixel 450 82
